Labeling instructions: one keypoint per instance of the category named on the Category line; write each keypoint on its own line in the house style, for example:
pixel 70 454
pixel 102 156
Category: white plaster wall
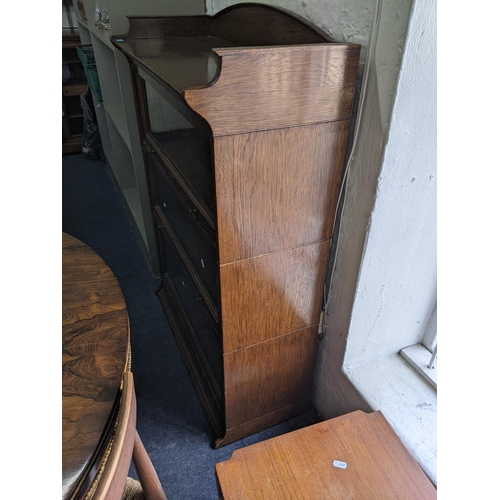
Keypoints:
pixel 396 291
pixel 383 288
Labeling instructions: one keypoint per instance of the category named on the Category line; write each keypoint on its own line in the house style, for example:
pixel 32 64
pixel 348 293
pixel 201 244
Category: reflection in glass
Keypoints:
pixel 191 302
pixel 187 148
pixel 200 251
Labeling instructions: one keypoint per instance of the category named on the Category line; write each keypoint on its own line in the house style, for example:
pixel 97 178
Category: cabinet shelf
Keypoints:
pixel 189 152
pixel 206 378
pixel 196 183
pixel 82 22
pixel 244 126
pixel 110 86
pixel 73 85
pixel 116 116
pixel 103 35
pixel 116 113
pixel 204 215
pixel 195 314
pixel 84 32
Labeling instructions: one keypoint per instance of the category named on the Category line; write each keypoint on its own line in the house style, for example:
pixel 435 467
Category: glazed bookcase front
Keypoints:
pixel 180 172
pixel 244 133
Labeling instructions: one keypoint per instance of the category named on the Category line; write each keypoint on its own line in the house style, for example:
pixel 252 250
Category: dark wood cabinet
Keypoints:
pixel 74 85
pixel 244 118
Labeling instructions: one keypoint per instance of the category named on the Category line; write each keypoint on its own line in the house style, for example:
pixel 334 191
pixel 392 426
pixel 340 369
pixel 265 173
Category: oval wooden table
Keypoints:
pixel 98 398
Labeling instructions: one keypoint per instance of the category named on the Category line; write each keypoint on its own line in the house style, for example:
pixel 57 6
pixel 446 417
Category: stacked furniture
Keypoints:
pixel 115 111
pixel 74 85
pixel 243 119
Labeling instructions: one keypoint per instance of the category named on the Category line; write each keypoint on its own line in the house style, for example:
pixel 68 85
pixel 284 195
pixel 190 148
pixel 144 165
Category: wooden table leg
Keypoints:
pixel 146 473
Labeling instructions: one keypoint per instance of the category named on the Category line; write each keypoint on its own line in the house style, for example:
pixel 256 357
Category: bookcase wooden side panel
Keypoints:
pixel 268 296
pixel 277 189
pixel 268 377
pixel 264 88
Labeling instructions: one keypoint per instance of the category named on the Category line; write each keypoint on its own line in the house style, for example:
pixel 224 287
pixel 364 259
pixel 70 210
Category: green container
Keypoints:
pixel 86 55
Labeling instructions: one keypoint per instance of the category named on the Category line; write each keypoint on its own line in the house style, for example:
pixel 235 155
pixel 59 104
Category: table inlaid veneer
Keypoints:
pixel 371 463
pixel 98 397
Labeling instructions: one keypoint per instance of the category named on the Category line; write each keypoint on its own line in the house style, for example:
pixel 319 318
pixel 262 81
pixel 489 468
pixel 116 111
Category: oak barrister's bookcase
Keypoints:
pixel 244 119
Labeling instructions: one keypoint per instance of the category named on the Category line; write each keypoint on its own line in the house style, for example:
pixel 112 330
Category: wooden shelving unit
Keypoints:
pixel 74 84
pixel 243 118
pixel 116 115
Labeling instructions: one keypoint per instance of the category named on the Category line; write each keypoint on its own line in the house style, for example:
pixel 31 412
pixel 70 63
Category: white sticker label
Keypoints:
pixel 339 464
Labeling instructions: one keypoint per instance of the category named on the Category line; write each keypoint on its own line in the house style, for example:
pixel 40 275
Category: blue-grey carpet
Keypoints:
pixel 170 420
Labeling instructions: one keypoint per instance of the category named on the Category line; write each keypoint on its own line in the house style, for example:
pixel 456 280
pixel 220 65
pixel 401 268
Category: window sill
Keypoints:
pixel 418 357
pixel 408 403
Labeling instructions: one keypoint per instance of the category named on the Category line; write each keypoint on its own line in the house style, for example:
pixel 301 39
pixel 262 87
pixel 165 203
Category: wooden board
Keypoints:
pixel 289 86
pixel 300 465
pixel 277 189
pixel 263 378
pixel 268 296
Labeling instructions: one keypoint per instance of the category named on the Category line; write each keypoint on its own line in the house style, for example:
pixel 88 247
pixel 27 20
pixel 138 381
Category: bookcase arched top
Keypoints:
pixel 271 55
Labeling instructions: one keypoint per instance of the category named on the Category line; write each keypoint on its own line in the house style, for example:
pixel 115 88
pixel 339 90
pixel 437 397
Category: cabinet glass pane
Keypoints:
pixel 187 148
pixel 193 306
pixel 199 250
